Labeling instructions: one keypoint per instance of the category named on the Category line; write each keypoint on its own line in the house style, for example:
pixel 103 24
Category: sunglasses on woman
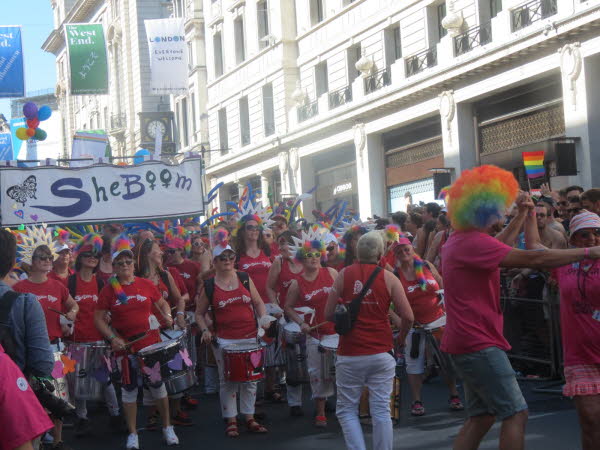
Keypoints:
pixel 589 233
pixel 330 249
pixel 44 258
pixel 312 255
pixel 171 251
pixel 253 228
pixel 125 262
pixel 89 255
pixel 225 258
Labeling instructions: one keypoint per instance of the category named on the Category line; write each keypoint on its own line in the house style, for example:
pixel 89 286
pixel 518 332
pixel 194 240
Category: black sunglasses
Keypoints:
pixel 574 210
pixel 89 255
pixel 330 249
pixel 224 258
pixel 589 233
pixel 45 258
pixel 253 228
pixel 171 251
pixel 574 199
pixel 125 262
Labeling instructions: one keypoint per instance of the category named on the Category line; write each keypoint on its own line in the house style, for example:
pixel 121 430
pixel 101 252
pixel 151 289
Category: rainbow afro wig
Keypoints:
pixel 91 242
pixel 480 197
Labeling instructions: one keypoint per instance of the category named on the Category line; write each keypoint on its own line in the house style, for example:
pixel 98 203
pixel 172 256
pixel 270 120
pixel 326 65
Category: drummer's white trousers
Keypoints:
pixel 228 392
pixel 376 372
pixel 110 397
pixel 320 387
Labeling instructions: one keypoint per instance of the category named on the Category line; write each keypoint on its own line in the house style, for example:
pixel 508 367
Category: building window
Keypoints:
pixel 190 55
pixel 238 31
pixel 321 81
pixel 223 142
pixel 393 46
pixel 184 122
pixel 244 121
pixel 106 126
pixel 218 49
pixel 262 11
pixel 316 11
pixel 193 105
pixel 347 2
pixel 353 55
pixel 268 109
pixel 495 7
pixel 440 14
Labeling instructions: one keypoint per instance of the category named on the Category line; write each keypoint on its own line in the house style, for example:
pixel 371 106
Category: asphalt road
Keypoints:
pixel 552 426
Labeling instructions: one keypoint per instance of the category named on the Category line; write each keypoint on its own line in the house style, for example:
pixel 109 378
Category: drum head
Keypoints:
pixel 171 335
pixel 241 348
pixel 158 346
pixel 331 341
pixel 292 327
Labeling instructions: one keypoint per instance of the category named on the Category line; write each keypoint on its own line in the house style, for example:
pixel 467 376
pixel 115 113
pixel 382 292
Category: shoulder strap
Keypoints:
pixel 6 303
pixel 72 284
pixel 244 279
pixel 209 289
pixel 354 305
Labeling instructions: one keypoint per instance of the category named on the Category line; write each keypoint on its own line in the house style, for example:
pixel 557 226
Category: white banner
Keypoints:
pixel 100 193
pixel 168 56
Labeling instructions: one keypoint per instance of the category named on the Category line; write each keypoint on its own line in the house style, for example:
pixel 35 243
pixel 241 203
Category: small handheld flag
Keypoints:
pixel 534 164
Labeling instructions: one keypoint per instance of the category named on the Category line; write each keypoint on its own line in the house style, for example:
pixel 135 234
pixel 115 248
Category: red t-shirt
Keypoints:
pixel 423 303
pixel 234 313
pixel 21 415
pixel 285 280
pixel 388 258
pixel 314 295
pixel 189 271
pixel 54 276
pixel 580 311
pixel 274 251
pixel 472 292
pixel 86 296
pixel 133 318
pixel 104 276
pixel 50 294
pixel 258 269
pixel 372 333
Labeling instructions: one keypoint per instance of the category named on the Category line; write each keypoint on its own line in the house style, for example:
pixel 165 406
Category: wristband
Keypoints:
pixel 111 337
pixel 180 313
pixel 586 252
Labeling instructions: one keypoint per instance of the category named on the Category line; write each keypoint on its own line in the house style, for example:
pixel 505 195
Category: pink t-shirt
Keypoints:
pixel 472 292
pixel 580 311
pixel 22 423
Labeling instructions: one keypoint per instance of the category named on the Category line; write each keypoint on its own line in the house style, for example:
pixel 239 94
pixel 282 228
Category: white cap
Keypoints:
pixel 62 247
pixel 115 255
pixel 219 249
pixel 329 238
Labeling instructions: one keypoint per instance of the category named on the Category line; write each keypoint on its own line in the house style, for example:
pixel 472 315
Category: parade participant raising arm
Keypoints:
pixel 235 303
pixel 473 334
pixel 579 285
pixel 129 300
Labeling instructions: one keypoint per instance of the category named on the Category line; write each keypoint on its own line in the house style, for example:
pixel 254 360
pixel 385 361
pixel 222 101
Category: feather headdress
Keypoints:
pixel 177 237
pixel 253 211
pixel 392 233
pixel 354 227
pixel 91 242
pixel 32 238
pixel 311 241
pixel 121 244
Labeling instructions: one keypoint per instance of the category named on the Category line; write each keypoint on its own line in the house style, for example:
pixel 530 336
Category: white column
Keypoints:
pixel 264 188
pixel 307 179
pixel 370 171
pixel 284 170
pixel 580 102
pixel 458 134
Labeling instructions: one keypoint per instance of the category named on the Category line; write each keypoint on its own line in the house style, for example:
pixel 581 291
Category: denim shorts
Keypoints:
pixel 490 384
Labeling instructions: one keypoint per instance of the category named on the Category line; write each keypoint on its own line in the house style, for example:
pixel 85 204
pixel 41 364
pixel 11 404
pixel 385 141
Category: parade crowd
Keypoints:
pixel 331 305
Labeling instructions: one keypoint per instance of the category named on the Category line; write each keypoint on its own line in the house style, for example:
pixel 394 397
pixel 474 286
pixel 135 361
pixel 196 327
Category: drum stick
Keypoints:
pixel 57 312
pixel 317 326
pixel 164 333
pixel 128 344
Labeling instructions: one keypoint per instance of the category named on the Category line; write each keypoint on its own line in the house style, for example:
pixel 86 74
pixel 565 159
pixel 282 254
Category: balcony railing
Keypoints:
pixel 473 38
pixel 532 12
pixel 118 121
pixel 419 62
pixel 340 97
pixel 308 111
pixel 378 80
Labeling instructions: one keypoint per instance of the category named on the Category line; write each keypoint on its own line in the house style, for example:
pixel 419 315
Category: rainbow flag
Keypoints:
pixel 534 164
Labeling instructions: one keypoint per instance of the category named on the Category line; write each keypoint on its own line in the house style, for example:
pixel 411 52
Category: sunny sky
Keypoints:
pixel 37 20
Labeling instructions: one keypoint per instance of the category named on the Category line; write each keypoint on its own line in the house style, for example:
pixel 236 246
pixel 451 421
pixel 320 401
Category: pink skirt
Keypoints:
pixel 582 379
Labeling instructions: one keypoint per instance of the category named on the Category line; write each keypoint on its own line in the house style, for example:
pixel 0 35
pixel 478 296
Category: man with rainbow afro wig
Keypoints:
pixel 472 258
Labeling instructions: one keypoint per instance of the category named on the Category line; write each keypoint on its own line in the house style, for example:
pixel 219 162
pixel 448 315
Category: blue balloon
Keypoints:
pixel 44 113
pixel 139 155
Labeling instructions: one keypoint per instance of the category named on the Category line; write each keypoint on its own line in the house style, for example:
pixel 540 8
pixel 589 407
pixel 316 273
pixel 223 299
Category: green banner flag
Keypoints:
pixel 87 58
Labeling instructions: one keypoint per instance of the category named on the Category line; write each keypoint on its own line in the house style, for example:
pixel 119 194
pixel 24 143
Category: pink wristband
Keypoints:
pixel 586 253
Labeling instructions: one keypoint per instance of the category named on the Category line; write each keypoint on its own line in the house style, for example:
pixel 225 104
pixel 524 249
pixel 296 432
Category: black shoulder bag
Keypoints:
pixel 346 317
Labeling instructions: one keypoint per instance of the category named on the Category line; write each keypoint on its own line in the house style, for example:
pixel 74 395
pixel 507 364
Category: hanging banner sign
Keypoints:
pixel 6 150
pixel 87 58
pixel 12 71
pixel 101 193
pixel 168 56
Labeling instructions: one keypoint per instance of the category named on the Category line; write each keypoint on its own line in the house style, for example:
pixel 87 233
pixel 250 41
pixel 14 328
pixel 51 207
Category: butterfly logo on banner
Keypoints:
pixel 24 191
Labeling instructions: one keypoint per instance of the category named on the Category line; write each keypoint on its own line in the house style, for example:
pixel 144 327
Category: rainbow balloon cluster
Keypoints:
pixel 34 116
pixel 480 197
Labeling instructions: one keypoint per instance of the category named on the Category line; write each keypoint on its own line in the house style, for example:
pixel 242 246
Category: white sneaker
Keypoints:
pixel 170 436
pixel 133 442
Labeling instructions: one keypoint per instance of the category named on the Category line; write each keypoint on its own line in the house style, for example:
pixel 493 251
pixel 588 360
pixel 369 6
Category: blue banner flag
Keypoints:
pixel 12 72
pixel 6 151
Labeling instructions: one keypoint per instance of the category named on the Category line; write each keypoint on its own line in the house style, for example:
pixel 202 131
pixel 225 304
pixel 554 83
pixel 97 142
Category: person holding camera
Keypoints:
pixel 364 356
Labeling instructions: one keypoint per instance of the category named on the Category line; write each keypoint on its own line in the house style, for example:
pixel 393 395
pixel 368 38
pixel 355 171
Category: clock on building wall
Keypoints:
pixel 153 123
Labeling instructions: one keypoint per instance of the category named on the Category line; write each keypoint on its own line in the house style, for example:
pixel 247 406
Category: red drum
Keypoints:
pixel 244 363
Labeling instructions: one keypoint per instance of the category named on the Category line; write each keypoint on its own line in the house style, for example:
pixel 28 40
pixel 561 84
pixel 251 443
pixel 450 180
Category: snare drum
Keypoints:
pixel 328 349
pixel 191 337
pixel 173 358
pixel 274 351
pixel 92 373
pixel 295 352
pixel 58 380
pixel 243 363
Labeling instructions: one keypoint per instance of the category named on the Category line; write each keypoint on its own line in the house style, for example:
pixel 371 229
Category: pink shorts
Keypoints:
pixel 582 379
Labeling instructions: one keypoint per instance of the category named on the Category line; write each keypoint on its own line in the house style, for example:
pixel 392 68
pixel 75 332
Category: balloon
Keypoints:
pixel 22 134
pixel 44 113
pixel 30 132
pixel 40 135
pixel 33 123
pixel 139 155
pixel 30 110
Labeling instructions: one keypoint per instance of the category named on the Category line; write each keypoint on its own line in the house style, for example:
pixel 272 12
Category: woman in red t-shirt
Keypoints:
pixel 52 295
pixel 283 271
pixel 310 290
pixel 364 354
pixel 61 269
pixel 130 299
pixel 84 287
pixel 105 267
pixel 234 310
pixel 421 283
